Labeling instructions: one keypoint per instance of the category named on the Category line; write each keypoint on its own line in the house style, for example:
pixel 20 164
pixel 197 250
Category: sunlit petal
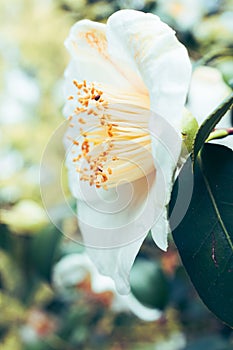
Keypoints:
pixel 88 47
pixel 153 50
pixel 114 224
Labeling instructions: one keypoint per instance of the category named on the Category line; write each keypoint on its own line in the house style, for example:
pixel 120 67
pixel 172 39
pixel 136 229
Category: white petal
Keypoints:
pixel 74 268
pixel 114 224
pixel 71 270
pixel 141 311
pixel 116 263
pixel 166 144
pixel 87 45
pixel 154 51
pixel 160 231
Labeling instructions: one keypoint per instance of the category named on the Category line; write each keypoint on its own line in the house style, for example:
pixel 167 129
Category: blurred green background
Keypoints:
pixel 41 309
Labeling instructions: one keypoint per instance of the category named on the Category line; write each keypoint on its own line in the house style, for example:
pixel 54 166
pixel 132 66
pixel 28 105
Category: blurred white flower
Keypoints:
pixel 22 87
pixel 207 91
pixel 10 194
pixel 39 325
pixel 176 341
pixel 12 111
pixel 72 270
pixel 121 155
pixel 11 161
pixel 183 14
pixel 21 94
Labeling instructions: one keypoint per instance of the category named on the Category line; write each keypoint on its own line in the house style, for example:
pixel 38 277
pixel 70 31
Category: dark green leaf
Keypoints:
pixel 43 250
pixel 5 238
pixel 204 237
pixel 148 283
pixel 208 125
pixel 213 342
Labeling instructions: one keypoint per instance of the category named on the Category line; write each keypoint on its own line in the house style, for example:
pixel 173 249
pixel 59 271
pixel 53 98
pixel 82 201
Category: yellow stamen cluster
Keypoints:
pixel 92 104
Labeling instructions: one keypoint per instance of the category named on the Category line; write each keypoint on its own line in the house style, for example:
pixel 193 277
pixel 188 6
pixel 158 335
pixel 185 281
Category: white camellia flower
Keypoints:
pixel 126 85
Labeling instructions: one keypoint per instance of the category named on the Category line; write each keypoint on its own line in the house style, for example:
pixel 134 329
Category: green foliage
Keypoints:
pixel 209 124
pixel 149 284
pixel 204 238
pixel 43 250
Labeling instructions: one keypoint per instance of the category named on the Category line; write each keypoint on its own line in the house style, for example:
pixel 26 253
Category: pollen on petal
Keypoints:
pixel 97 97
pixel 81 121
pixel 104 178
pixel 103 136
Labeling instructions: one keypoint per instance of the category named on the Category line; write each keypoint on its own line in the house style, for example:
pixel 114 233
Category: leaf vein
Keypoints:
pixel 204 240
pixel 216 207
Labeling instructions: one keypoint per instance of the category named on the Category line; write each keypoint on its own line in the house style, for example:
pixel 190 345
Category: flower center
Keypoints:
pixel 113 142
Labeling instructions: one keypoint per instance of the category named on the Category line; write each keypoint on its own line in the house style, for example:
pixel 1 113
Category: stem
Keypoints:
pixel 220 134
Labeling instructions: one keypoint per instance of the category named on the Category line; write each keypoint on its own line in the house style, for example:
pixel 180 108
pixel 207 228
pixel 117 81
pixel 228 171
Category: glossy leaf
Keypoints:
pixel 204 237
pixel 208 125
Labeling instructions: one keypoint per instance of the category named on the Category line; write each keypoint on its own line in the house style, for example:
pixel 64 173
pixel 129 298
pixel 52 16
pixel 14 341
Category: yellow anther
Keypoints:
pixel 81 121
